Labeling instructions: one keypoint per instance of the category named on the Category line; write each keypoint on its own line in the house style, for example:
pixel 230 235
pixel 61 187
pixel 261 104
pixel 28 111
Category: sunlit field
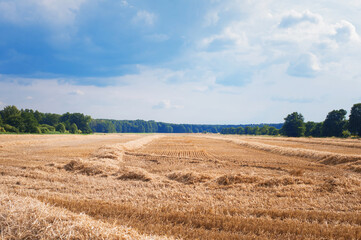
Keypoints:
pixel 179 186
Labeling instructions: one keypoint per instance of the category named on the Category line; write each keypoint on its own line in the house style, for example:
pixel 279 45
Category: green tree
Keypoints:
pixel 168 129
pixel 264 130
pixel 354 124
pixel 9 111
pixel 294 125
pixel 51 119
pixel 105 126
pixel 38 130
pixel 111 127
pixel 335 123
pixel 248 130
pixel 214 130
pixel 45 128
pixel 154 126
pixel 240 130
pixel 16 121
pixel 39 116
pixel 346 134
pixel 79 119
pixel 273 131
pixel 60 128
pixel 73 128
pixel 317 131
pixel 118 126
pixel 126 127
pixel 12 116
pixel 9 128
pixel 29 121
pixel 310 127
pixel 256 130
pixel 232 130
pixel 179 128
pixel 223 131
pixel 141 129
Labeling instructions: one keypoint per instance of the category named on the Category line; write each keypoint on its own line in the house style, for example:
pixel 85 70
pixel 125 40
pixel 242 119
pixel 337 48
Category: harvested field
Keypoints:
pixel 330 145
pixel 187 186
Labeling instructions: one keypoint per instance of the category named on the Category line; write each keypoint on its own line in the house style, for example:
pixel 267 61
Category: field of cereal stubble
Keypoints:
pixel 179 186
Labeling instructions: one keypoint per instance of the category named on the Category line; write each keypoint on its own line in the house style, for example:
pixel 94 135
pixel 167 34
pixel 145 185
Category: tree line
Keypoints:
pixel 252 130
pixel 335 125
pixel 141 126
pixel 13 120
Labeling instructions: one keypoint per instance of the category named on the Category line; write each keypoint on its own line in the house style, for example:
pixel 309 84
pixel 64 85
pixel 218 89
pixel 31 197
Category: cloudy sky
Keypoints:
pixel 181 61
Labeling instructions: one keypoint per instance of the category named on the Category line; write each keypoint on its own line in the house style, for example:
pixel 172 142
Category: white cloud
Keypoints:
pixel 269 35
pixel 124 3
pixel 59 17
pixel 304 32
pixel 9 11
pixel 60 12
pixel 307 65
pixel 233 33
pixel 345 32
pixel 166 104
pixel 264 38
pixel 52 12
pixel 294 18
pixel 144 17
pixel 308 29
pixel 149 95
pixel 211 18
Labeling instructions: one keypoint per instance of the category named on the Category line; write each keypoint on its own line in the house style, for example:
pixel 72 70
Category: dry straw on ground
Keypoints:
pixel 178 186
pixel 328 158
pixel 28 218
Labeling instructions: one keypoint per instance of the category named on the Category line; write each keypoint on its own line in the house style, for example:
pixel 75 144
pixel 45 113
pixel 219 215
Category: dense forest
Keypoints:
pixel 13 120
pixel 141 126
pixel 253 130
pixel 335 125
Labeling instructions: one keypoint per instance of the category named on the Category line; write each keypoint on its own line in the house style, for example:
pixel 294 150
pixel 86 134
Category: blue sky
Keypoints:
pixel 181 61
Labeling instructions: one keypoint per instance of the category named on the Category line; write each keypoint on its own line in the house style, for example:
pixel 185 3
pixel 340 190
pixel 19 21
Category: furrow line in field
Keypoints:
pixel 195 221
pixel 331 142
pixel 107 158
pixel 161 156
pixel 29 218
pixel 327 158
